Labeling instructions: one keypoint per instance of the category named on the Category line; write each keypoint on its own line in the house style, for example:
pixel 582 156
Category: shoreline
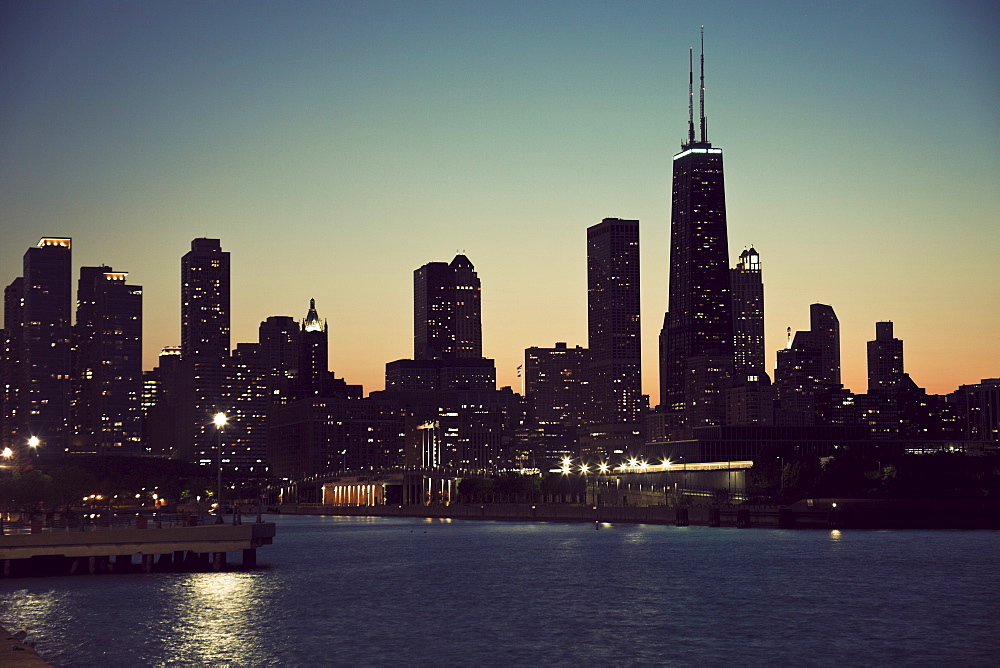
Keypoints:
pixel 872 514
pixel 16 654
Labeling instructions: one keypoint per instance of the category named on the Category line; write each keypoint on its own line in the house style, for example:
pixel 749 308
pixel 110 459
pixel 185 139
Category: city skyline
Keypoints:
pixel 867 181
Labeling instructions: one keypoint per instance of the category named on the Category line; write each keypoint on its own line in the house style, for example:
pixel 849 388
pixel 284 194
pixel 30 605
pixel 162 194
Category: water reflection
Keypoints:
pixel 351 591
pixel 214 615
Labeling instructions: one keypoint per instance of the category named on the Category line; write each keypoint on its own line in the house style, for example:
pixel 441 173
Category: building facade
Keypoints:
pixel 447 322
pixel 556 391
pixel 205 341
pixel 616 406
pixel 106 411
pixel 38 350
pixel 697 342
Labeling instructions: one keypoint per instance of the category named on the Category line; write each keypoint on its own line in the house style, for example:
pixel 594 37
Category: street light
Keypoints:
pixel 33 442
pixel 220 420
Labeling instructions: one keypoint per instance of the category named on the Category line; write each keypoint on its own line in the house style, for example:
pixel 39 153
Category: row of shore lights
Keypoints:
pixel 633 464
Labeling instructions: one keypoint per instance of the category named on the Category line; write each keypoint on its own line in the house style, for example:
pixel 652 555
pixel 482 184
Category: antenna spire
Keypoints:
pixel 704 122
pixel 690 95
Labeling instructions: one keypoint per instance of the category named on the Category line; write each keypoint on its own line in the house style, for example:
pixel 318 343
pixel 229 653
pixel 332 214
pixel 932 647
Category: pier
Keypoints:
pixel 113 548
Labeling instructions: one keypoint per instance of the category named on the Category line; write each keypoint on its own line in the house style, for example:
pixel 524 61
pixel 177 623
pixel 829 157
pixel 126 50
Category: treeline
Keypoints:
pixel 518 488
pixel 66 483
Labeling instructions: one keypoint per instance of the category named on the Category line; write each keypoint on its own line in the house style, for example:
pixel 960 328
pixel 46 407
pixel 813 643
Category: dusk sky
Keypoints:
pixel 334 147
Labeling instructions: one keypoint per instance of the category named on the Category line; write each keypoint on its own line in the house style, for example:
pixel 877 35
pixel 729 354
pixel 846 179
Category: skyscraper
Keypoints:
pixel 11 421
pixel 280 349
pixel 107 363
pixel 748 318
pixel 46 347
pixel 616 402
pixel 696 361
pixel 556 391
pixel 447 321
pixel 807 378
pixel 885 359
pixel 205 300
pixel 314 355
pixel 204 346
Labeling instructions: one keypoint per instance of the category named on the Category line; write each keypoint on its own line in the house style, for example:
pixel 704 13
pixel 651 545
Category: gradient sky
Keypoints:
pixel 334 147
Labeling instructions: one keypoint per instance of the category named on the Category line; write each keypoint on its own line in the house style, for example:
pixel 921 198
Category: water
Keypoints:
pixel 379 591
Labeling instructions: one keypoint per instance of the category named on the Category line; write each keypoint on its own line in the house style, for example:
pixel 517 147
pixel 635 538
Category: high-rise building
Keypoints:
pixel 556 390
pixel 980 409
pixel 885 359
pixel 45 345
pixel 11 421
pixel 696 354
pixel 205 300
pixel 616 404
pixel 447 321
pixel 807 378
pixel 244 442
pixel 314 354
pixel 748 318
pixel 205 331
pixel 106 411
pixel 162 428
pixel 280 347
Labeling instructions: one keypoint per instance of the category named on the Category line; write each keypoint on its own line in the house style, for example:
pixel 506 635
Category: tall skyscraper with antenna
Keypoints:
pixel 696 354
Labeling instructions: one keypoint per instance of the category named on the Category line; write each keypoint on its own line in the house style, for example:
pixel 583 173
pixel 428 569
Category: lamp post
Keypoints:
pixel 220 420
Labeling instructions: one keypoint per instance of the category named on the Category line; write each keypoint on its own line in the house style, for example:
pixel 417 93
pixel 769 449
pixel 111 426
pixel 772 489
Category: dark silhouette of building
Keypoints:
pixel 205 329
pixel 37 349
pixel 280 351
pixel 244 442
pixel 750 399
pixel 894 406
pixel 106 412
pixel 748 318
pixel 696 352
pixel 11 420
pixel 885 359
pixel 447 322
pixel 556 389
pixel 450 384
pixel 205 311
pixel 979 405
pixel 617 405
pixel 807 378
pixel 441 375
pixel 314 375
pixel 163 428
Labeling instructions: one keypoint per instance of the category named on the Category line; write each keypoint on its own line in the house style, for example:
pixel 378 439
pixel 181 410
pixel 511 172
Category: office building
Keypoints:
pixel 885 359
pixel 43 339
pixel 447 321
pixel 617 405
pixel 205 329
pixel 748 318
pixel 106 411
pixel 696 352
pixel 556 390
pixel 807 377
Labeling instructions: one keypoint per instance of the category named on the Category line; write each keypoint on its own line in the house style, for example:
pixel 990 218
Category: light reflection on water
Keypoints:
pixel 213 614
pixel 390 590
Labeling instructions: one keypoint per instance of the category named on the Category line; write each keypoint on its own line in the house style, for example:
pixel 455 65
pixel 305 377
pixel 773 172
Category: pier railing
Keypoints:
pixel 12 524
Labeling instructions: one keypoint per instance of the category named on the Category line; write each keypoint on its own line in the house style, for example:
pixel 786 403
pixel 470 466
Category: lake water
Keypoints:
pixel 381 591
